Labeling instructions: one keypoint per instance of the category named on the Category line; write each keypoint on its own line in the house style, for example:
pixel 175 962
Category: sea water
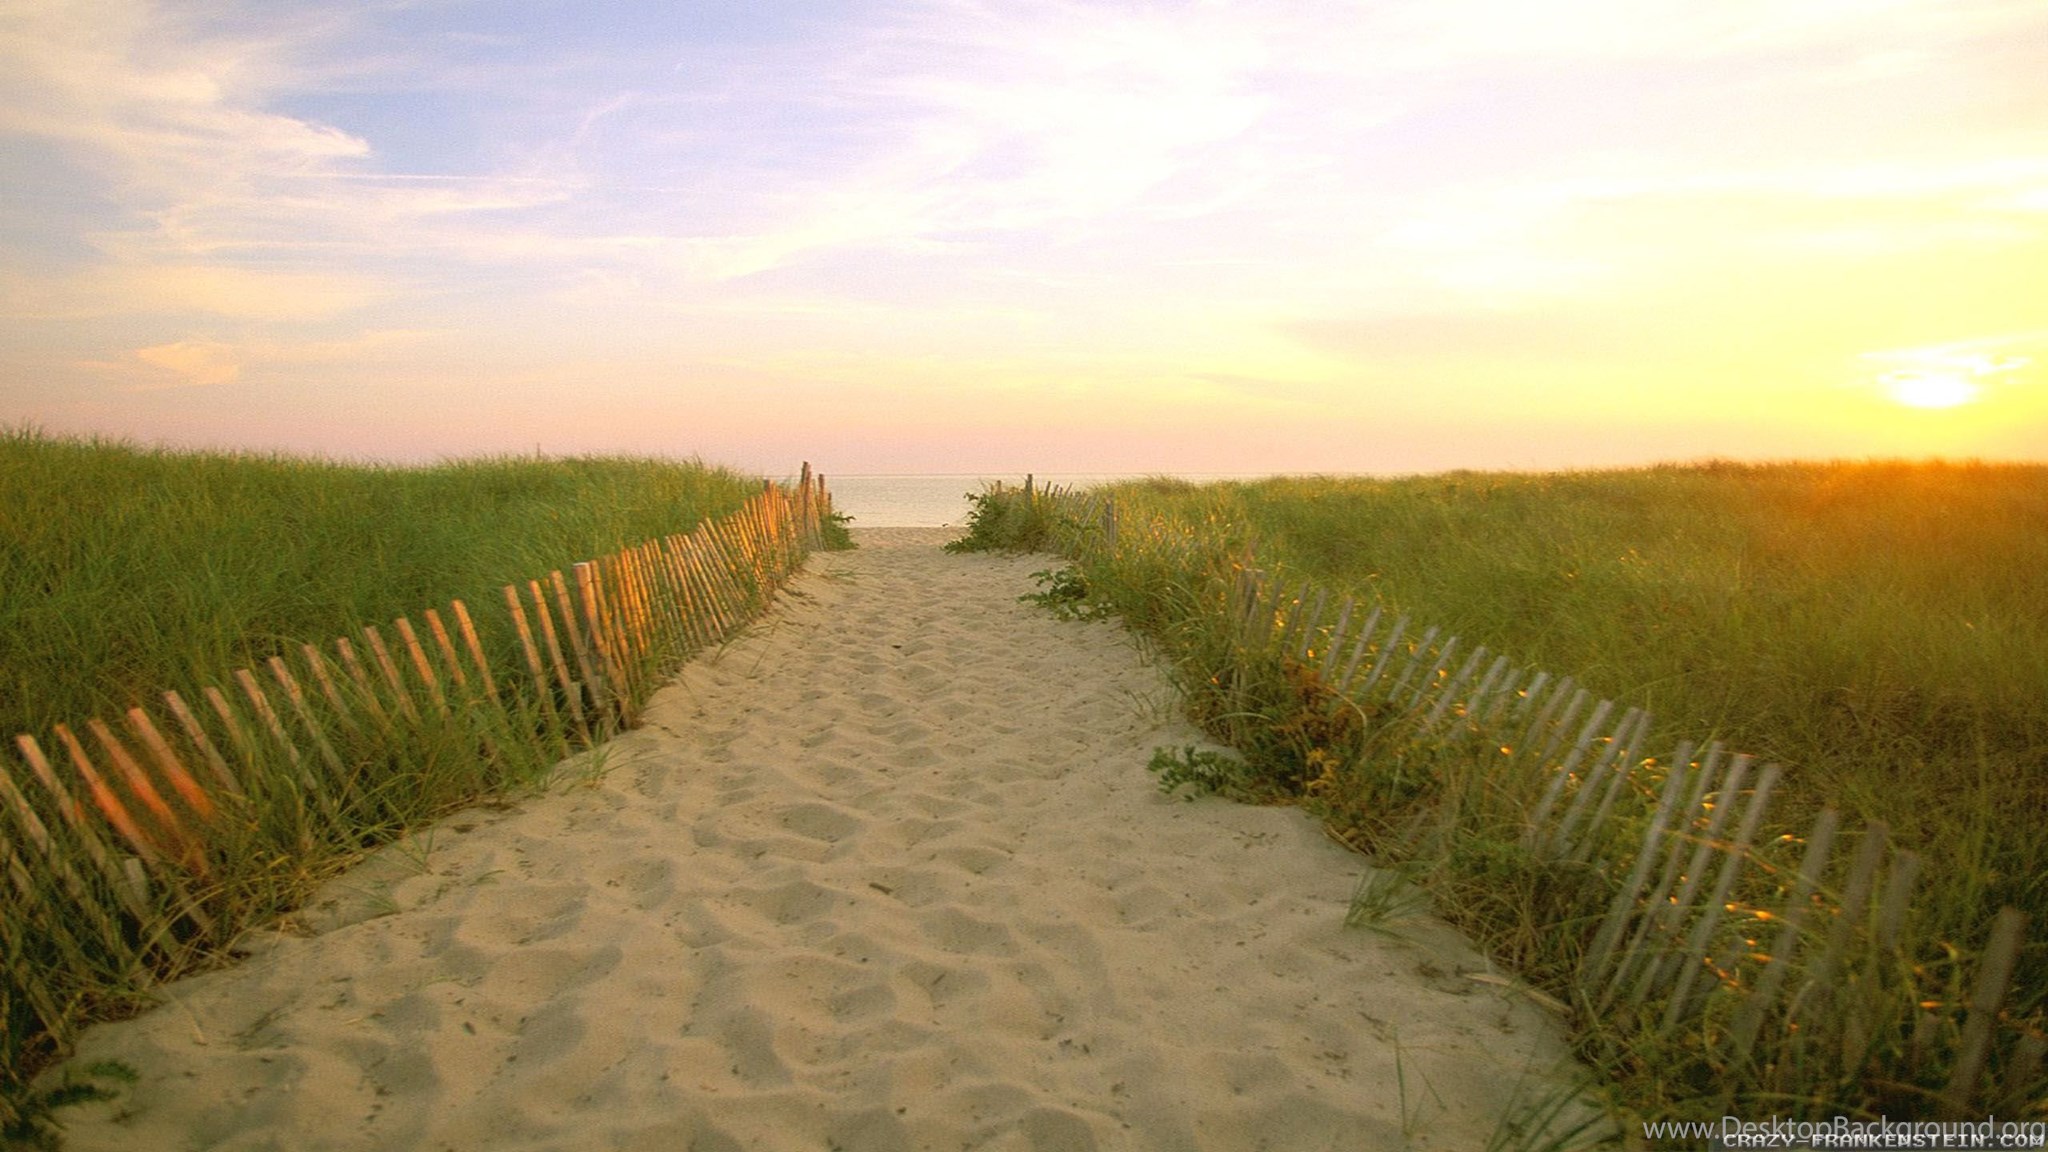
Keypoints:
pixel 940 501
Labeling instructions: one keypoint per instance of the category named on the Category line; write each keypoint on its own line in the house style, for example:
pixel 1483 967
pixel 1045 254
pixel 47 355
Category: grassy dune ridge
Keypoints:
pixel 127 570
pixel 1879 629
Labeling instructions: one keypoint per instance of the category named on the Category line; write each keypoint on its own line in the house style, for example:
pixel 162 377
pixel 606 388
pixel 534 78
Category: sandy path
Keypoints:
pixel 886 874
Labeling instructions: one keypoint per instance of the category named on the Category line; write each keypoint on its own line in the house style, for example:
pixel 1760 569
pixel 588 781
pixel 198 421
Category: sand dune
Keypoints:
pixel 888 873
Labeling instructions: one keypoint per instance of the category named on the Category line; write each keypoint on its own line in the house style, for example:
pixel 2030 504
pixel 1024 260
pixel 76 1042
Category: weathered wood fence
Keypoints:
pixel 124 844
pixel 1791 960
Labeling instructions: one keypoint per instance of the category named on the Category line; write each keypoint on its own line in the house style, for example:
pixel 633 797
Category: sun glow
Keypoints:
pixel 1943 376
pixel 1930 389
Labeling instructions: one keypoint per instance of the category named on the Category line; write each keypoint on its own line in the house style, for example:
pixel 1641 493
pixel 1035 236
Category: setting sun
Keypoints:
pixel 1936 390
pixel 1225 236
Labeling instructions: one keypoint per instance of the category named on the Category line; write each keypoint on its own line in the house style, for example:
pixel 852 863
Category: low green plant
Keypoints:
pixel 1065 593
pixel 36 1126
pixel 1202 771
pixel 833 532
pixel 1006 520
pixel 1385 896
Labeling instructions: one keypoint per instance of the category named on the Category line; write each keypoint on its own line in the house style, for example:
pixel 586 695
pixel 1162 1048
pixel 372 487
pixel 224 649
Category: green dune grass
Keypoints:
pixel 1879 629
pixel 127 570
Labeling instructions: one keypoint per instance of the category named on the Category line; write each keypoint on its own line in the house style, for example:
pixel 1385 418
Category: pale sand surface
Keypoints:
pixel 887 873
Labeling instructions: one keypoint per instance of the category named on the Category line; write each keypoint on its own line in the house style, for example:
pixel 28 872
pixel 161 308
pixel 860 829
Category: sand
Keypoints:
pixel 886 873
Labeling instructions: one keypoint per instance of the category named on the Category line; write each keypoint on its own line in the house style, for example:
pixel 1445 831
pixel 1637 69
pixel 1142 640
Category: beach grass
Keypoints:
pixel 1880 629
pixel 132 570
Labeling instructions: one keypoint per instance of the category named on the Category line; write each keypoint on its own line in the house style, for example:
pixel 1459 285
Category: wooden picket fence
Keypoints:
pixel 1788 958
pixel 113 842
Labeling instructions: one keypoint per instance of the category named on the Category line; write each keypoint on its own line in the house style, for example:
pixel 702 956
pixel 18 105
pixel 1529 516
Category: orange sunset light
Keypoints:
pixel 1215 236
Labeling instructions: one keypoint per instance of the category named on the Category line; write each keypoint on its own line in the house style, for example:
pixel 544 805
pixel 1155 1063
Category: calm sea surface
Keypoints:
pixel 935 501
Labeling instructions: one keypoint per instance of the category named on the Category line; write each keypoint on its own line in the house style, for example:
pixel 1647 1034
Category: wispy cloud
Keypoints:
pixel 206 362
pixel 1206 204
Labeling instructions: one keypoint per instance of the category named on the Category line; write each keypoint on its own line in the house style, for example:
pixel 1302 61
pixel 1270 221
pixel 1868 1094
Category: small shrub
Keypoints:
pixel 1066 594
pixel 833 533
pixel 1006 520
pixel 1202 771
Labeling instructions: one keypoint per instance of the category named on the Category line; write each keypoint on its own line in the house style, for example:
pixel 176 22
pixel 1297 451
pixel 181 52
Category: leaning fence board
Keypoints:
pixel 361 676
pixel 526 645
pixel 476 648
pixel 1792 924
pixel 389 667
pixel 1716 905
pixel 447 648
pixel 1662 967
pixel 1388 647
pixel 267 715
pixel 216 763
pixel 1623 905
pixel 579 640
pixel 172 829
pixel 1994 979
pixel 105 799
pixel 170 765
pixel 421 665
pixel 317 663
pixel 296 697
pixel 572 689
pixel 1538 831
pixel 1608 775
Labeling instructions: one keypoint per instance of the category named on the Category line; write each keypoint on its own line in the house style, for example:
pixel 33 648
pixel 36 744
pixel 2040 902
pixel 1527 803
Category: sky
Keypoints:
pixel 917 236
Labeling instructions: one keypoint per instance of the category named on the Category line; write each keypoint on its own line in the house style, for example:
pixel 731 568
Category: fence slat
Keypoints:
pixel 142 788
pixel 168 763
pixel 447 648
pixel 296 697
pixel 365 687
pixel 1623 905
pixel 475 646
pixel 97 848
pixel 579 642
pixel 216 763
pixel 1359 648
pixel 572 689
pixel 1671 915
pixel 1420 662
pixel 1621 763
pixel 526 645
pixel 1792 922
pixel 1715 905
pixel 1538 831
pixel 1994 979
pixel 267 715
pixel 389 667
pixel 316 662
pixel 421 665
pixel 105 799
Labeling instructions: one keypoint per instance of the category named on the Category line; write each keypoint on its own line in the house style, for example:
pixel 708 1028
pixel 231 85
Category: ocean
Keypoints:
pixel 909 501
pixel 941 501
